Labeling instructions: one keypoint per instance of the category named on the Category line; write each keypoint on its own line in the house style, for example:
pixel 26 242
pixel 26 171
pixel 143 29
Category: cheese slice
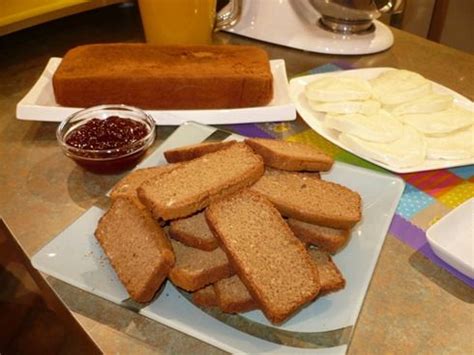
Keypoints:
pixel 426 104
pixel 394 87
pixel 338 88
pixel 456 145
pixel 439 123
pixel 380 127
pixel 408 151
pixel 366 107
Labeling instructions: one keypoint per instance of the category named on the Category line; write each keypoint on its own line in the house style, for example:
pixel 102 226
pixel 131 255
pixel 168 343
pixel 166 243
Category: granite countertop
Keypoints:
pixel 412 305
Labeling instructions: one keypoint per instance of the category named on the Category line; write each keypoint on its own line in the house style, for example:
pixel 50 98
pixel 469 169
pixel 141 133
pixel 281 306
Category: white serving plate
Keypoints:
pixel 452 238
pixel 39 104
pixel 75 257
pixel 315 119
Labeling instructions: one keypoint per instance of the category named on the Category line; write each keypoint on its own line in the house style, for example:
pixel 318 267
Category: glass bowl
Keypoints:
pixel 106 139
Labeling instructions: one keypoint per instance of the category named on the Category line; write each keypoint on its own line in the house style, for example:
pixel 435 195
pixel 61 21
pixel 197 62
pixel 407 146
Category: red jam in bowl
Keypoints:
pixel 109 145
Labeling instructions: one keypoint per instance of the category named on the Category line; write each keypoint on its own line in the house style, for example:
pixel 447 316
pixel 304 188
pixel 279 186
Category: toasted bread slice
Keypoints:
pixel 292 156
pixel 272 263
pixel 232 296
pixel 329 275
pixel 193 185
pixel 325 238
pixel 194 151
pixel 194 232
pixel 205 297
pixel 137 248
pixel 310 200
pixel 195 269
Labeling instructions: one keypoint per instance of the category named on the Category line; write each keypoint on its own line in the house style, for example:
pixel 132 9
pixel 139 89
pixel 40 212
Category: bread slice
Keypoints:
pixel 325 238
pixel 127 186
pixel 233 297
pixel 272 263
pixel 195 269
pixel 292 156
pixel 193 185
pixel 329 275
pixel 205 297
pixel 310 200
pixel 194 151
pixel 194 232
pixel 137 248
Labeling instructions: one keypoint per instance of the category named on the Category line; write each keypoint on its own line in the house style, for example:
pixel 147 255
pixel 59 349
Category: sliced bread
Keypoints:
pixel 292 156
pixel 137 248
pixel 325 238
pixel 310 200
pixel 205 297
pixel 195 268
pixel 329 275
pixel 193 185
pixel 272 263
pixel 232 296
pixel 194 232
pixel 194 151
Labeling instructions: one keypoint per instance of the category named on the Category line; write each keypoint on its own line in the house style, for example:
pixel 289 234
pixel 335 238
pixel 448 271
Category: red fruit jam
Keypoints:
pixel 110 145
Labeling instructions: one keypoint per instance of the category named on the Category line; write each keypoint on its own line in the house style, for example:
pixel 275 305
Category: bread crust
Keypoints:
pixel 194 151
pixel 164 77
pixel 275 313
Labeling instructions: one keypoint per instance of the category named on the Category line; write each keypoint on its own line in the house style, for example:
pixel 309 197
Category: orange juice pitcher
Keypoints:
pixel 185 21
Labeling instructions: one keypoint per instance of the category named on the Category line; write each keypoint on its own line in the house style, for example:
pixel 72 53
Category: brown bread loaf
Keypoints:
pixel 193 185
pixel 195 269
pixel 137 248
pixel 205 297
pixel 164 77
pixel 329 275
pixel 194 232
pixel 232 296
pixel 310 200
pixel 325 238
pixel 292 156
pixel 272 263
pixel 194 151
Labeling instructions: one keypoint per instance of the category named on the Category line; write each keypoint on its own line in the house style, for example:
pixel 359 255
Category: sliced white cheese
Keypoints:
pixel 337 88
pixel 367 107
pixel 457 145
pixel 394 87
pixel 409 150
pixel 426 104
pixel 438 123
pixel 380 127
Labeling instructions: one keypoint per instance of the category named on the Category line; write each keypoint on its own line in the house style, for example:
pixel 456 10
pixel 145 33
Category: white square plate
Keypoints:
pixel 452 238
pixel 315 119
pixel 325 326
pixel 39 104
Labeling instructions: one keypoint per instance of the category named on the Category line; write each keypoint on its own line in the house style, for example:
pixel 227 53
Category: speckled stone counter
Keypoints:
pixel 412 305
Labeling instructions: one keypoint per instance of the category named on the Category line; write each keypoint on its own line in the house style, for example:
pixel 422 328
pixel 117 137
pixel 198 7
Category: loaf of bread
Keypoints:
pixel 195 268
pixel 310 200
pixel 164 77
pixel 291 156
pixel 193 185
pixel 325 238
pixel 193 151
pixel 271 262
pixel 137 248
pixel 194 232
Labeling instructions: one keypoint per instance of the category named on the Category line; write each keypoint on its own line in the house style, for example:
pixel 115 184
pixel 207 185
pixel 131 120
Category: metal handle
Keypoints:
pixel 391 6
pixel 229 15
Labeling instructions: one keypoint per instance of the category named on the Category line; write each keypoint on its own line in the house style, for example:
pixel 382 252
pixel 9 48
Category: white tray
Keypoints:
pixel 325 326
pixel 452 238
pixel 315 119
pixel 39 104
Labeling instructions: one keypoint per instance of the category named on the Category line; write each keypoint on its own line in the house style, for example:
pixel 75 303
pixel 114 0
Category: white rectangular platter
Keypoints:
pixel 39 104
pixel 325 326
pixel 315 119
